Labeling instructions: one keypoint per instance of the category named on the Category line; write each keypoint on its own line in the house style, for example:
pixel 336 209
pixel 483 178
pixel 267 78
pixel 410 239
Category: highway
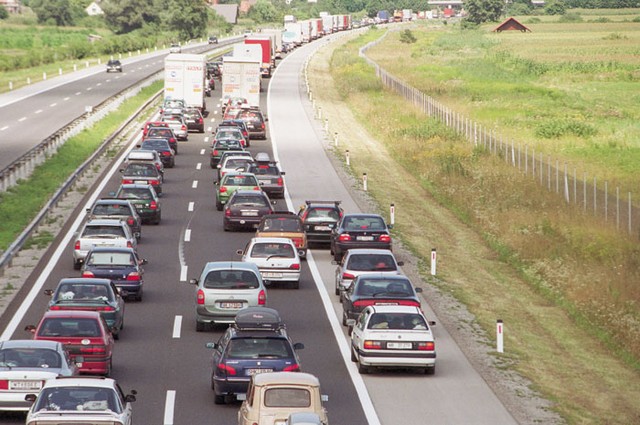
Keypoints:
pixel 162 356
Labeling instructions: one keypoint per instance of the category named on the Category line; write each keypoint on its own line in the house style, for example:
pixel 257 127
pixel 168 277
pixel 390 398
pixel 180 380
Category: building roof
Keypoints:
pixel 511 24
pixel 228 11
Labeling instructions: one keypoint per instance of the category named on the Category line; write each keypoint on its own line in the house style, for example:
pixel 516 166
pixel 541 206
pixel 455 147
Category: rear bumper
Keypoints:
pixel 226 386
pixel 14 401
pixel 397 359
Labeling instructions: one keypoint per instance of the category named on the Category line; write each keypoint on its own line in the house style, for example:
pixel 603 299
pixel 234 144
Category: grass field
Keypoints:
pixel 572 300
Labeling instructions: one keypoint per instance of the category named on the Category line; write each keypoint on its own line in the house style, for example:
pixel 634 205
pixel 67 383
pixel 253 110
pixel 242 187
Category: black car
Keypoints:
pixel 142 172
pixel 239 124
pixel 144 198
pixel 213 39
pixel 359 231
pixel 255 122
pixel 121 265
pixel 117 208
pixel 162 146
pixel 377 289
pixel 114 65
pixel 194 120
pixel 257 342
pixel 270 177
pixel 245 209
pixel 319 219
pixel 164 133
pixel 222 145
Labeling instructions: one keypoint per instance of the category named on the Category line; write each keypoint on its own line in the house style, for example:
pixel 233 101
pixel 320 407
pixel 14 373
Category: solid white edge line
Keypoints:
pixel 39 283
pixel 187 235
pixel 183 273
pixel 336 327
pixel 169 407
pixel 177 326
pixel 191 206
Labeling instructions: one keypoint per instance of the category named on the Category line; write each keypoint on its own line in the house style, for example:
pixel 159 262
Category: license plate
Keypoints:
pixel 382 303
pixel 25 385
pixel 140 206
pixel 271 275
pixel 236 306
pixel 399 345
pixel 252 372
pixel 364 238
pixel 141 182
pixel 250 213
pixel 324 228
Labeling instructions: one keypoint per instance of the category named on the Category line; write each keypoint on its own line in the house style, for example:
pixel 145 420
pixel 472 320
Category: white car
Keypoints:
pixel 178 125
pixel 363 260
pixel 175 48
pixel 101 232
pixel 276 258
pixel 392 336
pixel 85 400
pixel 234 163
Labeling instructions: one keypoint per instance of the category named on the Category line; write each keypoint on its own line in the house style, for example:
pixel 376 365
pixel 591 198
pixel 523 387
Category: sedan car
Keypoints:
pixel 319 218
pixel 85 336
pixel 213 39
pixel 223 145
pixel 101 232
pixel 114 65
pixel 256 343
pixel 161 145
pixel 277 259
pixel 270 177
pixel 237 124
pixel 81 400
pixel 90 294
pixel 122 266
pixel 392 336
pixel 361 260
pixel 194 120
pixel 284 225
pixel 255 122
pixel 359 231
pixel 166 133
pixel 25 365
pixel 117 209
pixel 377 289
pixel 245 209
pixel 144 198
pixel 224 288
pixel 142 172
pixel 178 125
pixel 233 133
pixel 231 182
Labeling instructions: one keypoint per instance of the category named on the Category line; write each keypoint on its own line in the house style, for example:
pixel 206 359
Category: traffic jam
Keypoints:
pixel 65 369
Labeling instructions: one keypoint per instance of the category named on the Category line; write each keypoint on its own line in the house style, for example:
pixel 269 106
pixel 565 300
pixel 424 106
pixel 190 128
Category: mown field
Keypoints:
pixel 573 301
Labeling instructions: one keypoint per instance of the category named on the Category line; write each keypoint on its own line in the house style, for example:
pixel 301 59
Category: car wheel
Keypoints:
pixel 199 326
pixel 363 369
pixel 337 289
pixel 116 335
pixel 344 318
pixel 157 220
pixel 337 255
pixel 76 265
pixel 430 370
pixel 138 296
pixel 353 356
pixel 218 399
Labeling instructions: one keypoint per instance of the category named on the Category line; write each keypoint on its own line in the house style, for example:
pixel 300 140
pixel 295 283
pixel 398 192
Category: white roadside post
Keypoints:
pixel 364 181
pixel 335 139
pixel 346 154
pixel 392 214
pixel 500 335
pixel 433 262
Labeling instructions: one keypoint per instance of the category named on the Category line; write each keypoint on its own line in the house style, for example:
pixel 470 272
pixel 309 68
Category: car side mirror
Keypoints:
pixel 334 262
pixel 193 281
pixel 30 398
pixel 121 170
pixel 390 226
pixel 88 210
pixel 351 323
pixel 114 330
pixel 137 146
pixel 211 345
pixel 266 118
pixel 432 323
pixel 282 173
pixel 324 397
pixel 112 194
pixel 418 290
pixel 239 252
pixel 401 263
pixel 30 328
pixel 142 262
pixel 241 397
pixel 48 292
pixel 298 346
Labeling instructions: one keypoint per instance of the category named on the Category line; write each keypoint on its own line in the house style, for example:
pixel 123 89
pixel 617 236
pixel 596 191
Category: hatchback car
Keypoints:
pixel 117 209
pixel 84 334
pixel 90 294
pixel 144 198
pixel 284 225
pixel 245 209
pixel 319 218
pixel 166 133
pixel 257 342
pixel 25 365
pixel 232 163
pixel 175 48
pixel 122 266
pixel 114 65
pixel 142 172
pixel 270 177
pixel 213 39
pixel 377 289
pixel 359 231
pixel 81 400
pixel 231 182
pixel 237 124
pixel 161 145
pixel 233 133
pixel 255 122
pixel 277 259
pixel 178 125
pixel 392 336
pixel 194 120
pixel 101 232
pixel 223 145
pixel 224 288
pixel 148 156
pixel 359 261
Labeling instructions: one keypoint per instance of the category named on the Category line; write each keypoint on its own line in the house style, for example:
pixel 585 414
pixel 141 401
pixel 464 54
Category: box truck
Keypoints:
pixel 305 29
pixel 293 33
pixel 241 78
pixel 266 43
pixel 185 78
pixel 276 37
pixel 327 24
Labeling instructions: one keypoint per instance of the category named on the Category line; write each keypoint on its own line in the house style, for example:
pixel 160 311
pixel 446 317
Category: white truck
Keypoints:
pixel 276 37
pixel 241 78
pixel 305 29
pixel 327 24
pixel 185 78
pixel 293 32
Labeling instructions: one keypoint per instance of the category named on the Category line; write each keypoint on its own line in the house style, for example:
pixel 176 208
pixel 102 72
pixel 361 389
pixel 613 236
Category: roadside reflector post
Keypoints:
pixel 335 139
pixel 99 61
pixel 433 261
pixel 364 181
pixel 44 75
pixel 11 88
pixel 319 112
pixel 392 214
pixel 86 64
pixel 326 125
pixel 346 155
pixel 28 80
pixel 500 335
pixel 59 71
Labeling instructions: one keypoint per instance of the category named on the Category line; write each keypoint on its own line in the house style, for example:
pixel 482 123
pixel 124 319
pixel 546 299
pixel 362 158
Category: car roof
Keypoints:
pixel 227 265
pixel 285 378
pixel 409 309
pixel 30 343
pixel 80 381
pixel 104 222
pixel 79 280
pixel 377 251
pixel 87 314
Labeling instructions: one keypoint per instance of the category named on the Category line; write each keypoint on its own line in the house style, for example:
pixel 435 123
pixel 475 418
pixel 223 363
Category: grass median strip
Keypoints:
pixel 21 203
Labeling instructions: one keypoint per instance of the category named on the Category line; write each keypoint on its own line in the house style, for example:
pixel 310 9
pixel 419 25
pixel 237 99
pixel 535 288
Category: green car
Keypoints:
pixel 144 198
pixel 230 183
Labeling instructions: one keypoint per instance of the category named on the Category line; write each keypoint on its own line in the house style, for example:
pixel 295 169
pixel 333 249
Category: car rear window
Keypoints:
pixel 264 170
pixel 364 223
pixel 111 209
pixel 75 291
pixel 98 230
pixel 155 144
pixel 161 132
pixel 30 357
pixel 287 397
pixel 141 170
pixel 233 180
pixel 258 348
pixel 135 193
pixel 371 262
pixel 397 321
pixel 78 399
pixel 323 214
pixel 249 201
pixel 228 144
pixel 382 287
pixel 231 279
pixel 264 250
pixel 281 224
pixel 251 116
pixel 72 327
pixel 111 258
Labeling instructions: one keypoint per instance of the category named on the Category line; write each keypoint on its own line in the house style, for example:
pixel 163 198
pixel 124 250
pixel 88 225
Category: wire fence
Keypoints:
pixel 588 193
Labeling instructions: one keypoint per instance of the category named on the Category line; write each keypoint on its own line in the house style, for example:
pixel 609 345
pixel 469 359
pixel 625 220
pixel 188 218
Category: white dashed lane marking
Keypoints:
pixel 187 235
pixel 177 325
pixel 195 184
pixel 191 206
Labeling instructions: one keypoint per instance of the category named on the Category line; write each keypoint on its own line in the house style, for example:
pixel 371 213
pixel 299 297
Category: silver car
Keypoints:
pixel 178 125
pixel 102 232
pixel 362 260
pixel 224 288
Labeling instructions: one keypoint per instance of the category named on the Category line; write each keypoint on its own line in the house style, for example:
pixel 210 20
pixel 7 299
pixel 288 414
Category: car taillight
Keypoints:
pixel 105 308
pixel 295 266
pixel 214 152
pixel 227 212
pixel 130 221
pixel 372 345
pixel 262 298
pixel 223 189
pixel 95 349
pixel 200 297
pixel 292 368
pixel 256 188
pixel 262 126
pixel 280 181
pixel 226 369
pixel 133 277
pixel 344 237
pixel 200 121
pixel 127 181
pixel 129 244
pixel 88 275
pixel 427 346
pixel 222 173
pixel 385 238
pixel 153 205
pixel 184 127
pixel 297 242
pixel 56 307
pixel 159 166
pixel 4 384
pixel 363 303
pixel 347 276
pixel 166 153
pixel 172 140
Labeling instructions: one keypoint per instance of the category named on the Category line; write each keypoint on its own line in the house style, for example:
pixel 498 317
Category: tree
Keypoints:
pixel 186 17
pixel 3 12
pixel 481 11
pixel 407 36
pixel 263 11
pixel 124 16
pixel 555 7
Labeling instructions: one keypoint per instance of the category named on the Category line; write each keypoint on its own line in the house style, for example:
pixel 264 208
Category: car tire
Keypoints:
pixel 138 296
pixel 363 369
pixel 157 220
pixel 430 370
pixel 344 318
pixel 337 255
pixel 338 290
pixel 218 399
pixel 116 335
pixel 199 326
pixel 109 368
pixel 353 356
pixel 76 265
pixel 219 205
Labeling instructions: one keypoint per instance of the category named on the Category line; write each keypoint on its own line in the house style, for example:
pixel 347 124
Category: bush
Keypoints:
pixel 407 36
pixel 557 128
pixel 570 17
pixel 3 12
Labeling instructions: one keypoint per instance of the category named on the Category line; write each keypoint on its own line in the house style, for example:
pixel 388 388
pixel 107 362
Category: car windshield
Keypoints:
pixel 30 358
pixel 378 287
pixel 397 321
pixel 231 279
pixel 97 230
pixel 83 292
pixel 287 397
pixel 258 348
pixel 371 262
pixel 281 224
pixel 111 258
pixel 364 223
pixel 78 399
pixel 249 201
pixel 69 327
pixel 155 144
pixel 135 193
pixel 141 170
pixel 111 209
pixel 272 249
pixel 323 214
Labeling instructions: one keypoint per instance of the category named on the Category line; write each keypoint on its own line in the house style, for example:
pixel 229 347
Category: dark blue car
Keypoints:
pixel 121 265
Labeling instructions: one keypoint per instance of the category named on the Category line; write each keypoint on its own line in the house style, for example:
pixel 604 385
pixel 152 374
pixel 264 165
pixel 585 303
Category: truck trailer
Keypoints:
pixel 241 78
pixel 266 42
pixel 185 78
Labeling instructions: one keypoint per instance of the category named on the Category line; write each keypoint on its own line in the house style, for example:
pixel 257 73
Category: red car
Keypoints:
pixel 84 334
pixel 150 124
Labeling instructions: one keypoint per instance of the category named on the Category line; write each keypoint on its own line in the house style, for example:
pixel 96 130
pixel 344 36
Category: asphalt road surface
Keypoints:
pixel 162 356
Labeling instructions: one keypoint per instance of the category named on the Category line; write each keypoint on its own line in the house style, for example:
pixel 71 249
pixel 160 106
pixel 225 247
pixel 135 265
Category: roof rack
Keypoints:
pixel 258 318
pixel 308 202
